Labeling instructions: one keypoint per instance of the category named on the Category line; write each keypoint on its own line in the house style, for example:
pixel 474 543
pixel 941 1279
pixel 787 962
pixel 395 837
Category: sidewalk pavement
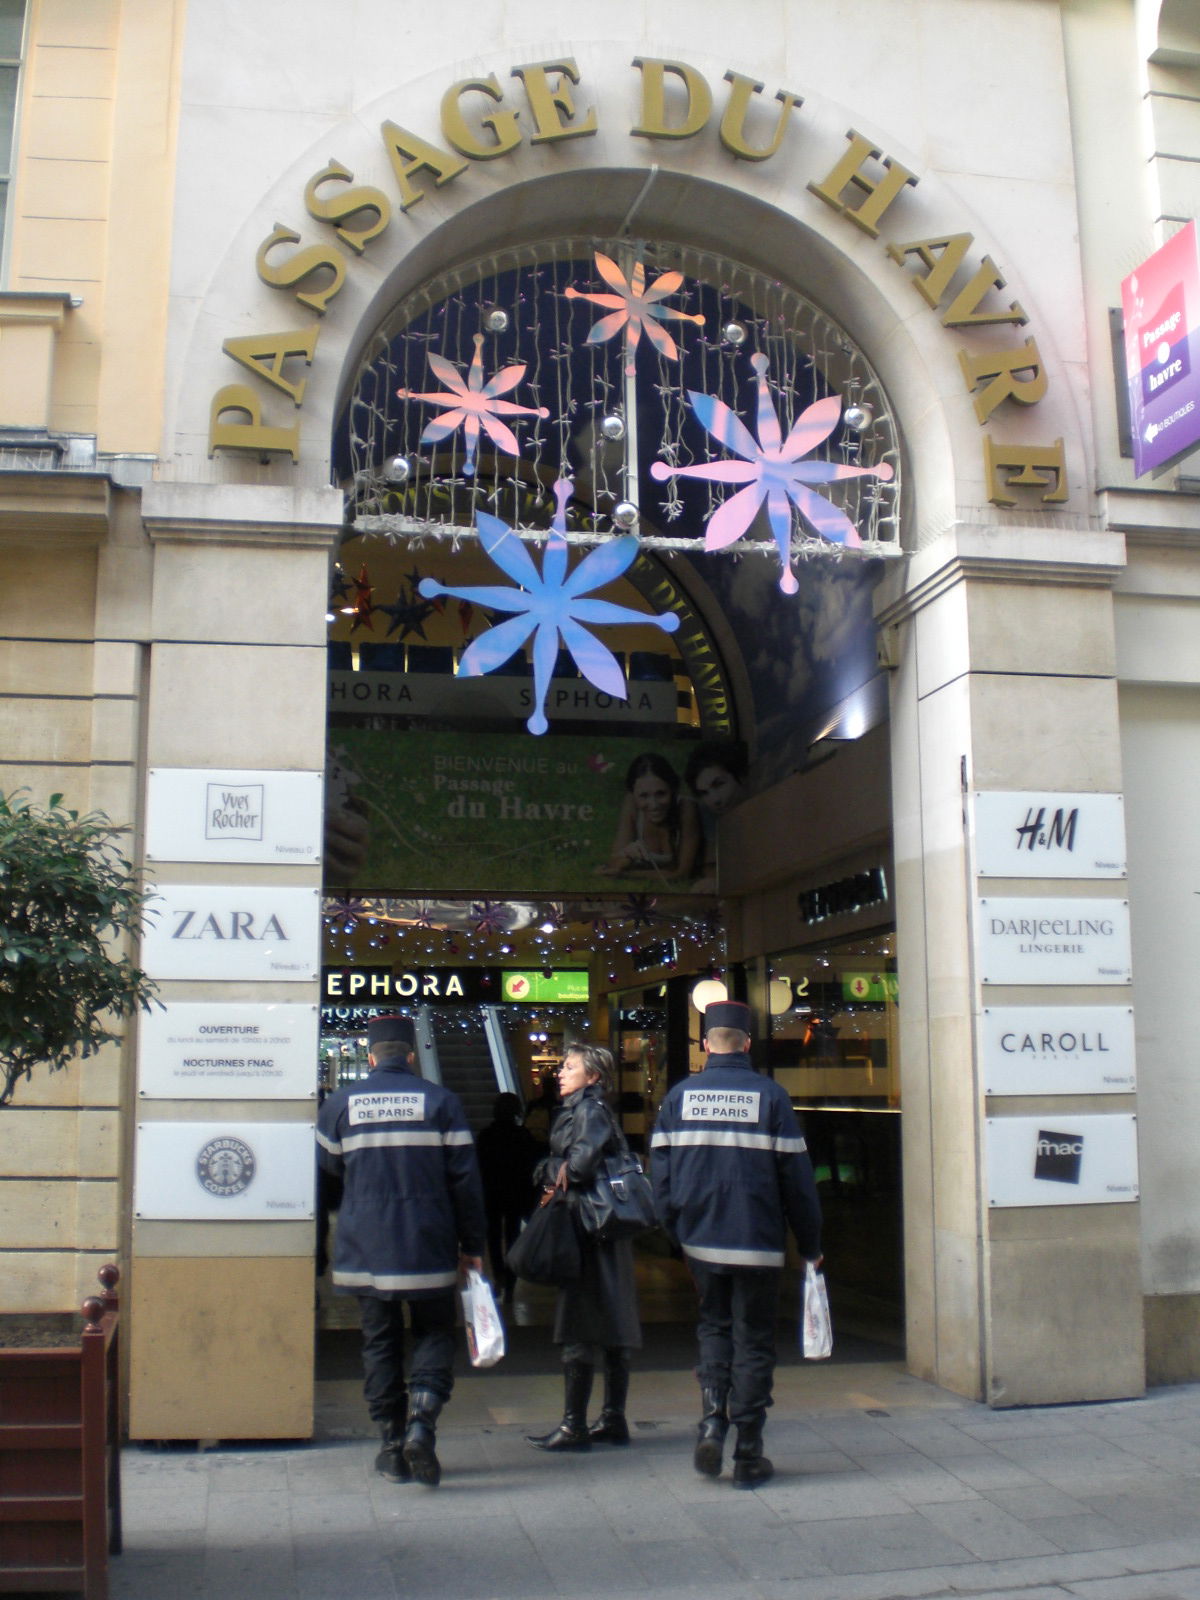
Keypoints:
pixel 885 1487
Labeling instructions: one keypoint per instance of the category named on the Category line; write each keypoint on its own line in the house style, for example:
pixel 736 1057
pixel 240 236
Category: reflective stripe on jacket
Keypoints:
pixel 412 1198
pixel 730 1168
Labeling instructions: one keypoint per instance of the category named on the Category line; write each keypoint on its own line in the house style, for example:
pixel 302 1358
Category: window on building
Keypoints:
pixel 12 30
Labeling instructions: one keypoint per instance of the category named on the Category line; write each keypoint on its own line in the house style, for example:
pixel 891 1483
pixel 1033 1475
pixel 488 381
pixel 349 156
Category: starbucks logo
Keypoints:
pixel 225 1166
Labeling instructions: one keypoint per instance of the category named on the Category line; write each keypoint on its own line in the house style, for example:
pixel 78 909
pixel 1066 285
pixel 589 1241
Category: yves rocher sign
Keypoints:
pixel 1160 303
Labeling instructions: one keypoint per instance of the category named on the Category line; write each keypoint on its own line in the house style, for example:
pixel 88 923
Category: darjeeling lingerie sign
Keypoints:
pixel 494 813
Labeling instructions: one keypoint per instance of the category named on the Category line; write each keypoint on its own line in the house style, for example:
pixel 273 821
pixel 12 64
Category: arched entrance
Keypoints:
pixel 604 392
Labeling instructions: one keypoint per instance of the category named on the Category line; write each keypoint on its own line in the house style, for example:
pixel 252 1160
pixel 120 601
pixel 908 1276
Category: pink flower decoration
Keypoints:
pixel 773 472
pixel 636 309
pixel 475 404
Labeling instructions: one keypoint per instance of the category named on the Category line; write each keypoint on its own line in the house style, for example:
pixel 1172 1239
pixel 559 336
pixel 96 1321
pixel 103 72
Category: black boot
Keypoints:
pixel 420 1437
pixel 710 1435
pixel 750 1466
pixel 610 1427
pixel 572 1431
pixel 389 1463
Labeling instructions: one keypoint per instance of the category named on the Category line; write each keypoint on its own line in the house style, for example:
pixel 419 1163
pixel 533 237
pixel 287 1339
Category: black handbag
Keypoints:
pixel 619 1202
pixel 547 1248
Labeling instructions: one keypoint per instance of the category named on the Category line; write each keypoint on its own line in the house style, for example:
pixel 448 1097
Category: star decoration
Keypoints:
pixel 635 308
pixel 473 404
pixel 346 912
pixel 639 910
pixel 488 917
pixel 773 472
pixel 363 602
pixel 408 614
pixel 550 604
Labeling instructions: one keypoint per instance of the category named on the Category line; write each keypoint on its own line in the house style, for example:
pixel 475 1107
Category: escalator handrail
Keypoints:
pixel 428 1062
pixel 502 1061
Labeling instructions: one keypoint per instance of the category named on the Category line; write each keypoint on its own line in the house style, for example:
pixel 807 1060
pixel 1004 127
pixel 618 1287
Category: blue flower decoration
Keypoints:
pixel 550 605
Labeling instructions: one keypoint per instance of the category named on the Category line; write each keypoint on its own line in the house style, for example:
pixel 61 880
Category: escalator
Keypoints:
pixel 466 1050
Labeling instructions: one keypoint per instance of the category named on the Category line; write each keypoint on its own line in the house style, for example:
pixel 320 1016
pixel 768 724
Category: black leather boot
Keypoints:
pixel 420 1437
pixel 610 1427
pixel 710 1435
pixel 572 1431
pixel 389 1463
pixel 750 1466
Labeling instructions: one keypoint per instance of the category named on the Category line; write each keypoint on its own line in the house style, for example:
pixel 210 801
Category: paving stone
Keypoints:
pixel 1084 1532
pixel 1032 1503
pixel 918 1480
pixel 987 1531
pixel 884 1544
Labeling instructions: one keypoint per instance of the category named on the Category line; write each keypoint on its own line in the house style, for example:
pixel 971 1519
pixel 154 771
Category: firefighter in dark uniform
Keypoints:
pixel 731 1174
pixel 397 1160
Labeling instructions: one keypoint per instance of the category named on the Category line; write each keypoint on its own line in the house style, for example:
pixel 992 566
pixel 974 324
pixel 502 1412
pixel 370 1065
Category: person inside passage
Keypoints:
pixel 397 1161
pixel 731 1174
pixel 596 1318
pixel 716 775
pixel 658 830
pixel 508 1153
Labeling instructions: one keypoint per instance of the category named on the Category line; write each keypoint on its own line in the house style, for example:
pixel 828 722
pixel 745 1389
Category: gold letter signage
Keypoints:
pixel 478 123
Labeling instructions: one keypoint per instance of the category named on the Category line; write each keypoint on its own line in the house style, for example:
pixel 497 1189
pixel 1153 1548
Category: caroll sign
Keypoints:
pixel 1161 307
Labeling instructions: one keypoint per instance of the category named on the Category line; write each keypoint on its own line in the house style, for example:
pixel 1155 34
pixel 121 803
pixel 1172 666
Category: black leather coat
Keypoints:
pixel 601 1308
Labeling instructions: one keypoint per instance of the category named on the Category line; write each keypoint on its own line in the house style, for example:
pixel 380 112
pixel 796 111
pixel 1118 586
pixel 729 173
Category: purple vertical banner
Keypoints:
pixel 1161 307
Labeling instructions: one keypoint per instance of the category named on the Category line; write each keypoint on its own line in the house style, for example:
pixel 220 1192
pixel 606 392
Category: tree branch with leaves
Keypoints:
pixel 68 901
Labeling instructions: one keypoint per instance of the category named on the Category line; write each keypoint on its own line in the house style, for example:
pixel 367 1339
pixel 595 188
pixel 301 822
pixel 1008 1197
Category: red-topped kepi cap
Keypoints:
pixel 729 1014
pixel 382 1029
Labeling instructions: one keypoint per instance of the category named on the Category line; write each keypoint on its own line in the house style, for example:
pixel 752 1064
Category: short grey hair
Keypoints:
pixel 597 1063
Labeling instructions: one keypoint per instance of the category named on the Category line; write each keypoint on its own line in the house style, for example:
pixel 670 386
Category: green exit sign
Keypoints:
pixel 565 988
pixel 862 987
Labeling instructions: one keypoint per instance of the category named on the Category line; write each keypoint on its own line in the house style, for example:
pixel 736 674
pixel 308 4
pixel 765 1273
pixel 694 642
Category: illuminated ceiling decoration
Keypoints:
pixel 544 932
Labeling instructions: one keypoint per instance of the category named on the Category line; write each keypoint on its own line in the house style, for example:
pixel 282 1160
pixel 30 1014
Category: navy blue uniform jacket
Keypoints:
pixel 411 1193
pixel 730 1169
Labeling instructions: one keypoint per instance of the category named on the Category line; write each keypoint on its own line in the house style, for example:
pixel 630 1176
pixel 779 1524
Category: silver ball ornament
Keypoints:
pixel 496 320
pixel 624 514
pixel 858 416
pixel 397 470
pixel 734 333
pixel 613 427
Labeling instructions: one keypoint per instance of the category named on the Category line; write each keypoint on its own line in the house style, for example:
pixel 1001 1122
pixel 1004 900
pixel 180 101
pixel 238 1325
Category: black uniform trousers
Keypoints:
pixel 432 1370
pixel 735 1328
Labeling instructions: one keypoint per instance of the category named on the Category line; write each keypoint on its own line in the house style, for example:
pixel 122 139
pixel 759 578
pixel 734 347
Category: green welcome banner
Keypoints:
pixel 497 814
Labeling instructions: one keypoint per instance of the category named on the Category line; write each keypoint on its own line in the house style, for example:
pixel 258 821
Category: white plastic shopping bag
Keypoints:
pixel 816 1330
pixel 485 1331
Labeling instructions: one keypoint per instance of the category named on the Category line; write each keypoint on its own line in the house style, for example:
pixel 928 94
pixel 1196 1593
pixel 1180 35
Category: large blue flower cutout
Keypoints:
pixel 550 605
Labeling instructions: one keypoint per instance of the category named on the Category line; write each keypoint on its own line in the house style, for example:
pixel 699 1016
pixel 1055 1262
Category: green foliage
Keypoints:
pixel 68 898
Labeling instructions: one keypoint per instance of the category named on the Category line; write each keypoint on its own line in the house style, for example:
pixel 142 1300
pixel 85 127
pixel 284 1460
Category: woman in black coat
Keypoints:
pixel 599 1313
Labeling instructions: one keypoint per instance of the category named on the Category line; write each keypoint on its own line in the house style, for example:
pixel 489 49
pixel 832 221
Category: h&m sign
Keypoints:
pixel 1036 834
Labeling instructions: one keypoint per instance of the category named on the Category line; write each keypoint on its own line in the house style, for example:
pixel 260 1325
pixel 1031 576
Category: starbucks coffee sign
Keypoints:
pixel 224 1171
